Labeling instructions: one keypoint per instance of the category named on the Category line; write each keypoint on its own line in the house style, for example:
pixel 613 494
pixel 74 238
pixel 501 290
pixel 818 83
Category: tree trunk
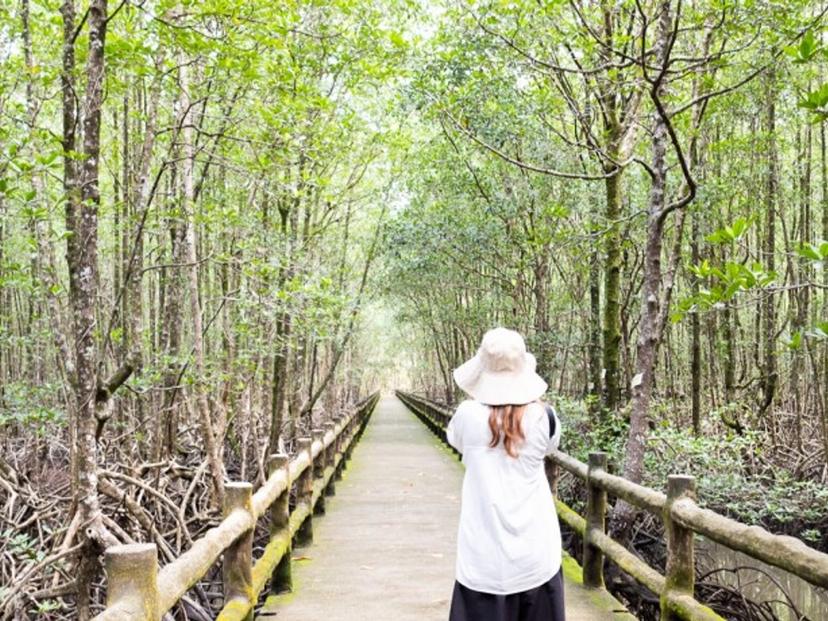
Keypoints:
pixel 594 381
pixel 70 181
pixel 695 331
pixel 769 365
pixel 208 433
pixel 541 323
pixel 824 178
pixel 172 322
pixel 649 329
pixel 612 295
pixel 82 224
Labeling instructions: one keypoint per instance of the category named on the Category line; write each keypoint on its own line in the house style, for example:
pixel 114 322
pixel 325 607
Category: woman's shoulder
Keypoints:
pixel 536 409
pixel 470 405
pixel 535 415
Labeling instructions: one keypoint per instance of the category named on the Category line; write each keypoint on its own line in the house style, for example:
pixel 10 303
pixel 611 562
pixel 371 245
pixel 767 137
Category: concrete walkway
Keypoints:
pixel 385 549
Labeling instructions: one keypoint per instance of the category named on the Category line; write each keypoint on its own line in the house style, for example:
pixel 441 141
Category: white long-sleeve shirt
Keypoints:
pixel 509 539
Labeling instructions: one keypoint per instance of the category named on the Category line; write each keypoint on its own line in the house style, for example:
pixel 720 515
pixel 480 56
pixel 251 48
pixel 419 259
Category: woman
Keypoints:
pixel 509 541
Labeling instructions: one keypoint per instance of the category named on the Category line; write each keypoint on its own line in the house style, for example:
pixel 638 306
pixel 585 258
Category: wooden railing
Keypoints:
pixel 137 590
pixel 682 518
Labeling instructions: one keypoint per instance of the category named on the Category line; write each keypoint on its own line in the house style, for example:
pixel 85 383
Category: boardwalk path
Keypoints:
pixel 385 549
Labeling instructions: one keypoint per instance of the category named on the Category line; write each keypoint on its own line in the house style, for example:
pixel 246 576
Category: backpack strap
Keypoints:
pixel 550 414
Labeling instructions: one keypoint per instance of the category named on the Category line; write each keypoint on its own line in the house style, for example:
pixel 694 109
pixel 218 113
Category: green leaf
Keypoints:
pixel 794 342
pixel 810 251
pixel 807 46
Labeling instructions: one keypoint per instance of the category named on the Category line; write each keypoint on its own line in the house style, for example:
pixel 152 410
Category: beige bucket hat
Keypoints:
pixel 502 372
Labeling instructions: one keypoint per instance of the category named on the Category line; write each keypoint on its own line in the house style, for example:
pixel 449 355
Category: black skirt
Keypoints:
pixel 543 603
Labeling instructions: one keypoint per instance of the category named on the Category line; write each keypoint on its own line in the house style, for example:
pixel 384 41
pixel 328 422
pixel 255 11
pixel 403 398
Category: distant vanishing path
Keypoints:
pixel 386 547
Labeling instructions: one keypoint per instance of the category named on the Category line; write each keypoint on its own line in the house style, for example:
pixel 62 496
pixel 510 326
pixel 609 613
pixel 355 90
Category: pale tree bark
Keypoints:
pixel 70 181
pixel 654 302
pixel 823 152
pixel 594 369
pixel 137 200
pixel 695 330
pixel 769 364
pixel 284 325
pixel 208 432
pixel 82 254
pixel 171 327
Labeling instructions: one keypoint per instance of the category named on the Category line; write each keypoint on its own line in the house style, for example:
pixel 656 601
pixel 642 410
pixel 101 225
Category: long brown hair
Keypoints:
pixel 506 420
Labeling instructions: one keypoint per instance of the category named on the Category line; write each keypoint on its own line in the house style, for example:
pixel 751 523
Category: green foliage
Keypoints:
pixel 726 282
pixel 731 473
pixel 810 49
pixel 22 545
pixel 29 407
pixel 583 433
pixel 807 49
pixel 46 606
pixel 816 102
pixel 817 253
pixel 732 233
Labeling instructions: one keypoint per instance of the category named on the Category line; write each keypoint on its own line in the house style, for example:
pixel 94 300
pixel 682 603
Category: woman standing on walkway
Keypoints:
pixel 509 541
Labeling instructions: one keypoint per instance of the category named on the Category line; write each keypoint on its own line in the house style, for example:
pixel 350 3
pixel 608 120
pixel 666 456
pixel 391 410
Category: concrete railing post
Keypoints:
pixel 131 574
pixel 349 431
pixel 340 447
pixel 680 573
pixel 304 492
pixel 237 569
pixel 553 474
pixel 330 457
pixel 595 513
pixel 319 469
pixel 282 579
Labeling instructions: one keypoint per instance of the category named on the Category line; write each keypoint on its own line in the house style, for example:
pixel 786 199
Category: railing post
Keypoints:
pixel 340 447
pixel 131 573
pixel 237 569
pixel 319 469
pixel 304 492
pixel 553 474
pixel 680 574
pixel 595 512
pixel 282 580
pixel 346 438
pixel 330 458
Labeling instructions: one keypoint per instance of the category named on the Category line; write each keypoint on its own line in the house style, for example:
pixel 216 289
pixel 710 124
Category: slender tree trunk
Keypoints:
pixel 281 357
pixel 649 329
pixel 70 181
pixel 172 322
pixel 695 331
pixel 541 323
pixel 211 446
pixel 82 225
pixel 823 148
pixel 595 331
pixel 612 294
pixel 769 365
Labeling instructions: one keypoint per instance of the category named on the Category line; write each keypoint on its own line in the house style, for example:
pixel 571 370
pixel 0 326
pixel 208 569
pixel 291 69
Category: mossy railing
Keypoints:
pixel 137 590
pixel 682 518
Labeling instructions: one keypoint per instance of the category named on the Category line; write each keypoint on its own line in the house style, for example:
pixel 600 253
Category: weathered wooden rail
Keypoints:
pixel 137 590
pixel 682 518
